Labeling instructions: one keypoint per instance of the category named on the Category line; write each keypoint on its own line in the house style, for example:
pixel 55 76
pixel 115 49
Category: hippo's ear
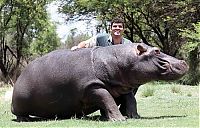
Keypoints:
pixel 141 49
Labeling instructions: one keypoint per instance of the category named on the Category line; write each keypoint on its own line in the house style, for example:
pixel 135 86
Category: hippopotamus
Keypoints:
pixel 66 83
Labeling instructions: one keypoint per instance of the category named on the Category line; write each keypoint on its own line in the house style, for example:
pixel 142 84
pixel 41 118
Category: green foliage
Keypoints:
pixel 191 50
pixel 156 22
pixel 193 37
pixel 46 41
pixel 74 39
pixel 21 23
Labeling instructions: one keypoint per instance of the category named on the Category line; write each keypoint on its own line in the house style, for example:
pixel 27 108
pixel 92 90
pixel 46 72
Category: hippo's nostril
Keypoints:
pixel 157 51
pixel 184 65
pixel 181 67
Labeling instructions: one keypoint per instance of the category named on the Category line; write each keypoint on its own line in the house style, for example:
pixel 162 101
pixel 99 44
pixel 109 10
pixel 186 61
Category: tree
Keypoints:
pixel 20 22
pixel 75 38
pixel 192 51
pixel 156 22
pixel 46 41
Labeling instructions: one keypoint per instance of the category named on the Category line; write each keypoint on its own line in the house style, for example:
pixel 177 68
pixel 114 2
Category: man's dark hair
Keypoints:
pixel 117 20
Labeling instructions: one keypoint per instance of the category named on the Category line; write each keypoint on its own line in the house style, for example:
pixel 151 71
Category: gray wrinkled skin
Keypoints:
pixel 66 83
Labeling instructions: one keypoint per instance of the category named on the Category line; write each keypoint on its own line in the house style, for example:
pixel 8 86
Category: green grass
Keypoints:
pixel 163 109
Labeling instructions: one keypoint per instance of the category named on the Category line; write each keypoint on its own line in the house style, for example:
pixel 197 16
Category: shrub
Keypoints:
pixel 148 91
pixel 176 89
pixel 189 94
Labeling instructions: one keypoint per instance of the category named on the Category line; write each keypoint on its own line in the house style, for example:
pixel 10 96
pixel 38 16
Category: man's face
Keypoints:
pixel 117 29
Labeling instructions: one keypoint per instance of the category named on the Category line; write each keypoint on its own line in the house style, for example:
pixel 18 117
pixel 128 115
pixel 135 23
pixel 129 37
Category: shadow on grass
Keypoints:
pixel 90 118
pixel 38 119
pixel 99 118
pixel 35 119
pixel 161 117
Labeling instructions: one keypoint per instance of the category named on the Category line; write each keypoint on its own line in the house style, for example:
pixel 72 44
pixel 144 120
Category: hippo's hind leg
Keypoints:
pixel 128 105
pixel 103 100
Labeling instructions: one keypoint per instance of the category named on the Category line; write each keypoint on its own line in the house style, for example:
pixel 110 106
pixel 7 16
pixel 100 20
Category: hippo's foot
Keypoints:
pixel 135 116
pixel 117 118
pixel 104 100
pixel 128 105
pixel 113 116
pixel 132 115
pixel 120 118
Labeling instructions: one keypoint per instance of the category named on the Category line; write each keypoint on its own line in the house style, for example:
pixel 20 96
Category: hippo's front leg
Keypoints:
pixel 102 98
pixel 128 105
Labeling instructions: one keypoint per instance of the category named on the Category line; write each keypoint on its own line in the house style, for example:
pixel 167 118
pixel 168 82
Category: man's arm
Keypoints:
pixel 80 45
pixel 86 44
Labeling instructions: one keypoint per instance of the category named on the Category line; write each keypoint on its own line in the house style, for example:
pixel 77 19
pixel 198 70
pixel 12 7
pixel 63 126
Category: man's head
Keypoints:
pixel 117 27
pixel 117 20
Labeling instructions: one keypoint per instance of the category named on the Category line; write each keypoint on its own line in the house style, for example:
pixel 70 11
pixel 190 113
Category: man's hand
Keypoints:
pixel 80 45
pixel 74 48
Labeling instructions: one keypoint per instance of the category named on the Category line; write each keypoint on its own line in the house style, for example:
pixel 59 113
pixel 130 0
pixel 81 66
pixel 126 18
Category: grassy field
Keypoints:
pixel 159 105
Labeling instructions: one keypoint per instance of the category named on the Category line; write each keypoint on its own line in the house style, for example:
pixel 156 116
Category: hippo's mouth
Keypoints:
pixel 178 68
pixel 163 65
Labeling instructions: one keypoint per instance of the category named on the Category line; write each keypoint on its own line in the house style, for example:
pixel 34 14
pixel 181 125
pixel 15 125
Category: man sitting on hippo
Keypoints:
pixel 114 38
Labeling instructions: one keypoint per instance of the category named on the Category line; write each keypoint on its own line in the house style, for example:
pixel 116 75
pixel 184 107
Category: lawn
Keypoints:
pixel 159 105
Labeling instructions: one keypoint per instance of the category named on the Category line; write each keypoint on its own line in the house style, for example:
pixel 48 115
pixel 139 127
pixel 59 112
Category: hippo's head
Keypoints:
pixel 155 65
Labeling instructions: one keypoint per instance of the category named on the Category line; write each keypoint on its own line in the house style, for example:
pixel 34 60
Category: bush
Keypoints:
pixel 191 51
pixel 176 89
pixel 148 91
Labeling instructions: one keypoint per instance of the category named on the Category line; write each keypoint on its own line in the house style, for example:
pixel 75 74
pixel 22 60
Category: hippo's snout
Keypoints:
pixel 180 67
pixel 172 68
